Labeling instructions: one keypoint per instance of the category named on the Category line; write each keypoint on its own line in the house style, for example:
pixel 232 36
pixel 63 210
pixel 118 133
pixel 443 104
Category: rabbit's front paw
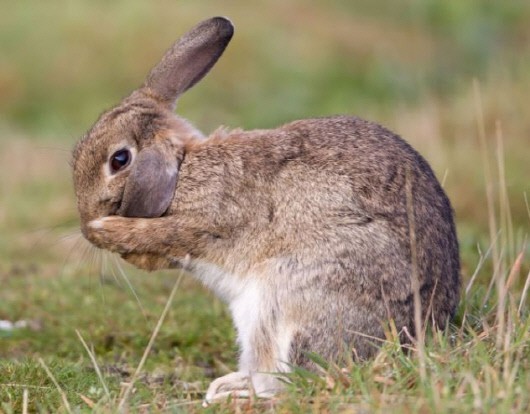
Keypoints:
pixel 113 233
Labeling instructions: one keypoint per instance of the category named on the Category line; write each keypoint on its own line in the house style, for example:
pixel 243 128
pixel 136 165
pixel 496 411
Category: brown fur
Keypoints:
pixel 313 212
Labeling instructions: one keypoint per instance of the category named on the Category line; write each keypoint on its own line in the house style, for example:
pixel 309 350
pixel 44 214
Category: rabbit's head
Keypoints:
pixel 128 162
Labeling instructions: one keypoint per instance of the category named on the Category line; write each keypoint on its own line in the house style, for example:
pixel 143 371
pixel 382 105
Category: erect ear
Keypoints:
pixel 189 59
pixel 151 183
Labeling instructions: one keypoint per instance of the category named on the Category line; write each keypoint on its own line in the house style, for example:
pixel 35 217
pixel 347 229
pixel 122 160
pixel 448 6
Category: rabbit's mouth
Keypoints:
pixel 115 207
pixel 115 204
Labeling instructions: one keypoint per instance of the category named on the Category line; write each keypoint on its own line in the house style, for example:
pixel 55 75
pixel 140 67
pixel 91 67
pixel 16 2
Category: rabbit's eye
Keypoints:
pixel 119 160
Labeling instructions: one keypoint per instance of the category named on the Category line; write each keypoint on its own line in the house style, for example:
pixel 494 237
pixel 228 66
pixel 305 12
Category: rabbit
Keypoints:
pixel 311 232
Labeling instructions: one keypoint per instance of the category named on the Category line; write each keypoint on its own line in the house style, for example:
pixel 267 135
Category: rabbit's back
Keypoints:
pixel 367 217
pixel 322 205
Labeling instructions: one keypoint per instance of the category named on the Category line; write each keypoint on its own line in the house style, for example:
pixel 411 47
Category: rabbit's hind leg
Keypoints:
pixel 265 342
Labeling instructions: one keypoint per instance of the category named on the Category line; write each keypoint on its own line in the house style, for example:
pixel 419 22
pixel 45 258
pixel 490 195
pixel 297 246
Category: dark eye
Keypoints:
pixel 119 160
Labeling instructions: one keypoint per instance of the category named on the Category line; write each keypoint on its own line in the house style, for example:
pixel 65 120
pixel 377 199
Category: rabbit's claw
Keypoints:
pixel 233 385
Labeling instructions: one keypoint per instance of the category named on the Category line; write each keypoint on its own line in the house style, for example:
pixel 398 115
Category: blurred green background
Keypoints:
pixel 409 65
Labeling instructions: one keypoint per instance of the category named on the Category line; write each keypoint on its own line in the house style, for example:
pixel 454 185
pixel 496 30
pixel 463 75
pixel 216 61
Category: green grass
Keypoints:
pixel 409 65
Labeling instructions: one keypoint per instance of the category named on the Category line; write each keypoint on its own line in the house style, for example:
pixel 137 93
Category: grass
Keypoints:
pixel 411 67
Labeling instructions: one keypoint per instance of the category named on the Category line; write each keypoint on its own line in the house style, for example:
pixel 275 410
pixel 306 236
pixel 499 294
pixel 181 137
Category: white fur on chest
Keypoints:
pixel 225 285
pixel 252 303
pixel 246 312
pixel 245 297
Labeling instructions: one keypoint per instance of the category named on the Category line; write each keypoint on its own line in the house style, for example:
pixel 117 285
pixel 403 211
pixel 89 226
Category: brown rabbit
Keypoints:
pixel 303 230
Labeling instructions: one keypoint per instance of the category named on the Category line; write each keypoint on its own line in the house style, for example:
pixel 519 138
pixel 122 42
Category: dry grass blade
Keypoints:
pixel 473 384
pixel 444 178
pixel 505 213
pixel 488 176
pixel 527 205
pixel 507 352
pixel 25 398
pixel 184 404
pixel 523 295
pixel 28 386
pixel 94 363
pixel 149 345
pixel 514 272
pixel 494 278
pixel 374 338
pixel 87 401
pixel 415 281
pixel 478 267
pixel 129 285
pixel 61 392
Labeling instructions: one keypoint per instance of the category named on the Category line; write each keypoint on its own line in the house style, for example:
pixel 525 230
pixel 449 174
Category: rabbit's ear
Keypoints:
pixel 189 59
pixel 151 184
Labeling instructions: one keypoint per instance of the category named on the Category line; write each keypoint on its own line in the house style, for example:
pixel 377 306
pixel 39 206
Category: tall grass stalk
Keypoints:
pixel 129 387
pixel 415 280
pixel 488 175
pixel 25 398
pixel 64 398
pixel 94 364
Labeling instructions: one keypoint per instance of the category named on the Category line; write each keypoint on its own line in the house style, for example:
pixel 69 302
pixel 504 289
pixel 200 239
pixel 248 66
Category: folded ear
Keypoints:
pixel 189 59
pixel 151 183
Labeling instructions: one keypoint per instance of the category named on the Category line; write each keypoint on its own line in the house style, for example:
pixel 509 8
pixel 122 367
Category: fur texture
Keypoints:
pixel 303 230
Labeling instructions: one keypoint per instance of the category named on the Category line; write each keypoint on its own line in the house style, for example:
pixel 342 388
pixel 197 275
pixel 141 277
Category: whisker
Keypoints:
pixel 69 236
pixel 77 247
pixel 44 234
pixel 58 149
pixel 85 254
pixel 102 264
pixel 78 240
pixel 110 269
pixel 527 204
pixel 129 284
pixel 90 255
pixel 96 258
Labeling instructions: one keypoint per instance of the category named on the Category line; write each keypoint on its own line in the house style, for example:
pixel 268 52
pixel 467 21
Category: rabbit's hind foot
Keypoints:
pixel 236 385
